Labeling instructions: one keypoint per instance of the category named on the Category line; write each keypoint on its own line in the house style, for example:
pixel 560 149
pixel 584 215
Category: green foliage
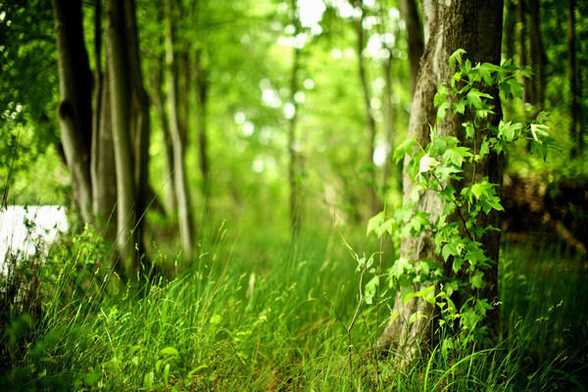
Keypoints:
pixel 448 167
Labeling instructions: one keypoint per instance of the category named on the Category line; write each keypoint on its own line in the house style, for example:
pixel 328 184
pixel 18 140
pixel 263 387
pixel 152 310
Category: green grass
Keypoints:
pixel 253 313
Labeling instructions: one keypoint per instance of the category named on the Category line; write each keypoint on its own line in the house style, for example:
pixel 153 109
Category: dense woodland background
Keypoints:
pixel 253 195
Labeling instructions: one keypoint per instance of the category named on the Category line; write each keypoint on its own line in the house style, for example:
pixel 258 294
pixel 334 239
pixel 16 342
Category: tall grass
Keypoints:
pixel 255 313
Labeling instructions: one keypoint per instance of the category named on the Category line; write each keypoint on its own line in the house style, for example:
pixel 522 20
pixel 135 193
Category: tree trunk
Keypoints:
pixel 523 55
pixel 120 99
pixel 103 165
pixel 509 29
pixel 476 27
pixel 103 180
pixel 537 54
pixel 75 108
pixel 414 30
pixel 140 123
pixel 293 169
pixel 201 81
pixel 388 111
pixel 178 142
pixel 369 117
pixel 575 131
pixel 160 98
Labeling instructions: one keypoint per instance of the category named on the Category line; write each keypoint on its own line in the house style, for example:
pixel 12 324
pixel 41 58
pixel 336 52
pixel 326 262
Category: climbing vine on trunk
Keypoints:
pixel 455 280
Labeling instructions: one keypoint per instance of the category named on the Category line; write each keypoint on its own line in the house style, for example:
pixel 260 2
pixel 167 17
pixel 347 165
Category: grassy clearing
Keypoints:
pixel 239 319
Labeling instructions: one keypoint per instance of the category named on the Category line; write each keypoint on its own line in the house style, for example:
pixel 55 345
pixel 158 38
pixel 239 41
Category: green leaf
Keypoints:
pixel 169 352
pixel 474 98
pixel 427 163
pixel 404 148
pixel 477 280
pixel 457 155
pixel 370 290
pixel 539 132
pixel 456 57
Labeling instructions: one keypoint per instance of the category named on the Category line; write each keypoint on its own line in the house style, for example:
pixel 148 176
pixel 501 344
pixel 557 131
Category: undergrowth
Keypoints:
pixel 237 320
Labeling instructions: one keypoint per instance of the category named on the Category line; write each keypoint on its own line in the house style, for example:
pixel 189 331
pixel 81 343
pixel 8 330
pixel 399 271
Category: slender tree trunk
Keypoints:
pixel 388 109
pixel 184 204
pixel 369 117
pixel 103 180
pixel 120 99
pixel 103 163
pixel 140 124
pixel 160 98
pixel 476 26
pixel 523 55
pixel 75 108
pixel 537 53
pixel 509 29
pixel 414 30
pixel 293 164
pixel 575 131
pixel 201 81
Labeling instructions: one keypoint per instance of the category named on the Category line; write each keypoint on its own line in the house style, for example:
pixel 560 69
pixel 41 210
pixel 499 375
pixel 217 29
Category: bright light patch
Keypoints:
pixel 311 13
pixel 239 118
pixel 289 111
pixel 248 128
pixel 380 154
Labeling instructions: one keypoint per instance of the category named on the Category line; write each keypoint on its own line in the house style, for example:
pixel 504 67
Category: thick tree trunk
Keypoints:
pixel 476 27
pixel 75 108
pixel 369 117
pixel 575 131
pixel 414 31
pixel 184 205
pixel 120 99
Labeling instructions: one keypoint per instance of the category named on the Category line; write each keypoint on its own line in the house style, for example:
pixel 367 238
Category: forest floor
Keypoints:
pixel 256 314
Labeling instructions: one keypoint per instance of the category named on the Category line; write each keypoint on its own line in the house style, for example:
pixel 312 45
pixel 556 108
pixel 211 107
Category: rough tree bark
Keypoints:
pixel 476 27
pixel 178 140
pixel 414 31
pixel 369 117
pixel 120 98
pixel 75 108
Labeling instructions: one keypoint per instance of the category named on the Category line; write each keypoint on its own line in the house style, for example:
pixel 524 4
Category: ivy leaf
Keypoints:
pixel 427 163
pixel 539 132
pixel 457 155
pixel 477 280
pixel 456 57
pixel 474 97
pixel 469 129
pixel 375 223
pixel 399 267
pixel 403 149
